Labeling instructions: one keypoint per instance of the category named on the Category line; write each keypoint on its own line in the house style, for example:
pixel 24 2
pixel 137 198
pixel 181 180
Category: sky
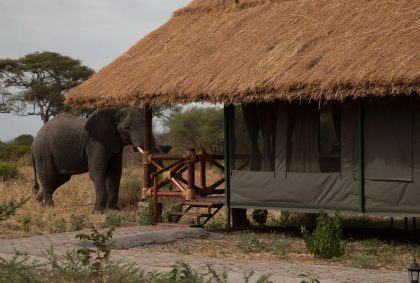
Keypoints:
pixel 93 31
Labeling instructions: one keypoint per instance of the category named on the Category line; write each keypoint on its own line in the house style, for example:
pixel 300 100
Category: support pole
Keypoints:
pixel 155 201
pixel 361 158
pixel 227 168
pixel 191 157
pixel 147 148
pixel 203 155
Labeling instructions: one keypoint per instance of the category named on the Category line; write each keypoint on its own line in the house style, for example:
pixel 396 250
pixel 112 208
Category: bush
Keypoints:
pixel 14 150
pixel 326 240
pixel 59 225
pixel 8 208
pixel 251 244
pixel 115 219
pixel 8 171
pixel 77 222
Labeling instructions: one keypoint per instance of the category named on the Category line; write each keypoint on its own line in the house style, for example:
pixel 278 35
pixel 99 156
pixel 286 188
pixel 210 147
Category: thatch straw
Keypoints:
pixel 223 52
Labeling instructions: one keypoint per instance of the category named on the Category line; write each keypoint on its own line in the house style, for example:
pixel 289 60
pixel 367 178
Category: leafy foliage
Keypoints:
pixel 9 208
pixel 252 244
pixel 8 171
pixel 102 250
pixel 16 149
pixel 45 77
pixel 18 269
pixel 77 222
pixel 114 219
pixel 326 239
pixel 196 127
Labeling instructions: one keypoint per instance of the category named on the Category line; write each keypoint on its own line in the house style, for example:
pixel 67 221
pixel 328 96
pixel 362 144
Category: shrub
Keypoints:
pixel 325 241
pixel 59 225
pixel 8 171
pixel 260 216
pixel 102 251
pixel 364 262
pixel 114 219
pixel 77 222
pixel 8 208
pixel 25 222
pixel 216 224
pixel 146 218
pixel 279 248
pixel 14 150
pixel 251 244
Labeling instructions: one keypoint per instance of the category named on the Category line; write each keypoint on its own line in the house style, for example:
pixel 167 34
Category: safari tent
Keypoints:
pixel 322 106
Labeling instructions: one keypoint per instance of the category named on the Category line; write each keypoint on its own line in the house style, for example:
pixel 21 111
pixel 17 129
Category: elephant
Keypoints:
pixel 69 145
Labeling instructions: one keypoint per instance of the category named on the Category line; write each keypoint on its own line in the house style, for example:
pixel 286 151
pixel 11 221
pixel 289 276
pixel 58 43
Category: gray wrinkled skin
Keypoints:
pixel 69 145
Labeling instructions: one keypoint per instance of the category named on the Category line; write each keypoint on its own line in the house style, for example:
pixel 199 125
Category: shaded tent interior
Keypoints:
pixel 321 97
pixel 306 156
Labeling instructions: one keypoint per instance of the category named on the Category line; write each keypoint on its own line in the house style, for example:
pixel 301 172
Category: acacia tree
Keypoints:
pixel 196 127
pixel 43 78
pixel 4 95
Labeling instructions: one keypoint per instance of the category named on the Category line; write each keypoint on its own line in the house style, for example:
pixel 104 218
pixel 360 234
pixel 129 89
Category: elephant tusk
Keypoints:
pixel 140 149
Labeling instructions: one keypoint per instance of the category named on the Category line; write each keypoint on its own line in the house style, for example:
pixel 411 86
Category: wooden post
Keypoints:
pixel 228 132
pixel 203 155
pixel 147 164
pixel 155 201
pixel 191 156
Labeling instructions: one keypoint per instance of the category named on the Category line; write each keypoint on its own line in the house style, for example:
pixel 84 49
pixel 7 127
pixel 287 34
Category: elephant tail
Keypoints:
pixel 35 188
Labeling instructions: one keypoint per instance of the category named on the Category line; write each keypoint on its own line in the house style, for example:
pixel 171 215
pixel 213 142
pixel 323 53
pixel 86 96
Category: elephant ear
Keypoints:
pixel 101 126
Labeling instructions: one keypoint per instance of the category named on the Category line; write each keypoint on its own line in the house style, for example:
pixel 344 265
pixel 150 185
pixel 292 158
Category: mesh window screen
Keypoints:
pixel 254 136
pixel 313 137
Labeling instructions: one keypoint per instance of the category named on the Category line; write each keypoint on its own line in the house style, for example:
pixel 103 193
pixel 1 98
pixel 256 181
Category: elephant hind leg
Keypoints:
pixel 50 187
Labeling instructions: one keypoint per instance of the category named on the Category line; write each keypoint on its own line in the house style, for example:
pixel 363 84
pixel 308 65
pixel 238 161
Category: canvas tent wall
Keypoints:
pixel 308 156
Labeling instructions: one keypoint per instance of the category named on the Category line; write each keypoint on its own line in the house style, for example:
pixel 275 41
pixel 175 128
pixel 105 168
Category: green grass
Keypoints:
pixel 365 262
pixel 115 219
pixel 251 244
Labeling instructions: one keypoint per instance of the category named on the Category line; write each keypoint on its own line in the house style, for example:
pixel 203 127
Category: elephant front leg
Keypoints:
pixel 99 180
pixel 113 183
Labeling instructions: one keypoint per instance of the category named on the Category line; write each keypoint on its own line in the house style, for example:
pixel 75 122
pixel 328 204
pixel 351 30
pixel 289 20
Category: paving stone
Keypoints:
pixel 130 236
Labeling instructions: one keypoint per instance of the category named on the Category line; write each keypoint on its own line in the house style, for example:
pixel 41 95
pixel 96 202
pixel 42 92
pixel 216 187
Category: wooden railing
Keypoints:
pixel 184 189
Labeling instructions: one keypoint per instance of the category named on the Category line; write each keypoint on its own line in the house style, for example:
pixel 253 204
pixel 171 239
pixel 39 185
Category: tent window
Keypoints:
pixel 313 139
pixel 254 136
pixel 388 134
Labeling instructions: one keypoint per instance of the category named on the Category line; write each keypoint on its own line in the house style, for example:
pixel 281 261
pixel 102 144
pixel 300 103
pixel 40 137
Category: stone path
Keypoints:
pixel 127 237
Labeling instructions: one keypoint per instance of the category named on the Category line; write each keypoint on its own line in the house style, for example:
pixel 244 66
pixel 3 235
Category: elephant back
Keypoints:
pixel 63 140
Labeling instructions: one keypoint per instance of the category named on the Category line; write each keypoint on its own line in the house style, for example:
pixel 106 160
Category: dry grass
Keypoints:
pixel 262 50
pixel 73 205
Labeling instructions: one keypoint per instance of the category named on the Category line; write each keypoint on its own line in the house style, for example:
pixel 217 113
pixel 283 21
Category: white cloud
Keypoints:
pixel 94 31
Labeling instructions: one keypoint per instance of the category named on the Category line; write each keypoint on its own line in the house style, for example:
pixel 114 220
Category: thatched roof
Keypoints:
pixel 259 50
